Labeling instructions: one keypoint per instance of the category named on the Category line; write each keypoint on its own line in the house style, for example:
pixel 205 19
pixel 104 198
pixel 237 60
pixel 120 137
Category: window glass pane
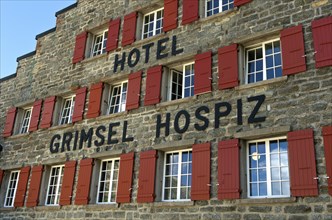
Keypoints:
pixel 284 173
pixel 275 175
pixel 274 160
pixel 262 174
pixel 285 188
pixel 259 76
pixel 276 188
pixel 284 159
pixel 276 45
pixel 262 189
pixel 268 49
pixel 283 145
pixel 278 72
pixel 253 175
pixel 259 53
pixel 253 189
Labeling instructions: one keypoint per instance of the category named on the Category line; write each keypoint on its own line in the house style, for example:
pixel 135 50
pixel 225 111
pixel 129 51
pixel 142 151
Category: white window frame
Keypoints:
pixel 103 34
pixel 57 186
pixel 25 122
pixel 122 103
pixel 11 190
pixel 154 29
pixel 69 116
pixel 268 168
pixel 256 46
pixel 178 196
pixel 192 84
pixel 111 180
pixel 230 2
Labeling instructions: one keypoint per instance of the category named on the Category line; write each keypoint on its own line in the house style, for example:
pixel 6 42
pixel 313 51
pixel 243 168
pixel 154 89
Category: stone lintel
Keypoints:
pixel 262 133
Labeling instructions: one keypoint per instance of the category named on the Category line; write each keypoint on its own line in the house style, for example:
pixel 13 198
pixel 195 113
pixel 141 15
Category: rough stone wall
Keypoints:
pixel 300 101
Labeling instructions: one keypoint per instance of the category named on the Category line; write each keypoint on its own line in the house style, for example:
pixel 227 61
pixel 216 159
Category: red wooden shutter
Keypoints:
pixel 190 11
pixel 129 29
pixel 170 15
pixel 10 121
pixel 228 67
pixel 322 32
pixel 95 98
pixel 203 71
pixel 302 163
pixel 292 49
pixel 327 134
pixel 200 188
pixel 113 34
pixel 229 169
pixel 47 114
pixel 80 44
pixel 67 183
pixel 2 173
pixel 34 187
pixel 146 176
pixel 238 3
pixel 36 109
pixel 84 181
pixel 134 90
pixel 79 104
pixel 125 178
pixel 153 83
pixel 22 187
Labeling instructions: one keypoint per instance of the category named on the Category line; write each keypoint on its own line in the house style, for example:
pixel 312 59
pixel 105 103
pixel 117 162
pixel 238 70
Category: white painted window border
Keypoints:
pixel 57 191
pixel 179 176
pixel 15 188
pixel 255 46
pixel 220 7
pixel 71 110
pixel 154 22
pixel 111 95
pixel 268 167
pixel 111 180
pixel 25 128
pixel 104 37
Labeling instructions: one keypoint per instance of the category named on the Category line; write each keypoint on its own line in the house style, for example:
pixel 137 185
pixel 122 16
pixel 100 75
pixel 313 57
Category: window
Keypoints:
pixel 25 121
pixel 263 62
pixel 11 190
pixel 117 98
pixel 217 6
pixel 108 181
pixel 153 23
pixel 99 43
pixel 54 185
pixel 177 175
pixel 181 82
pixel 67 110
pixel 268 170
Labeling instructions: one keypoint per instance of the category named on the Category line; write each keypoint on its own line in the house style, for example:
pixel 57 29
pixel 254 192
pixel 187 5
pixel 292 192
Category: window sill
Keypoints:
pixel 173 204
pixel 95 207
pixel 57 127
pixel 18 135
pixel 262 83
pixel 8 209
pixel 90 59
pixel 114 115
pixel 176 102
pixel 48 208
pixel 147 40
pixel 266 201
pixel 222 15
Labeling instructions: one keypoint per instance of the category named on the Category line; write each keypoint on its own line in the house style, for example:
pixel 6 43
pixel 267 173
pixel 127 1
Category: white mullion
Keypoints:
pixel 183 79
pixel 264 61
pixel 111 183
pixel 120 101
pixel 179 176
pixel 57 186
pixel 155 22
pixel 268 168
pixel 49 186
pixel 164 179
pixel 72 104
pixel 29 120
pixel 100 172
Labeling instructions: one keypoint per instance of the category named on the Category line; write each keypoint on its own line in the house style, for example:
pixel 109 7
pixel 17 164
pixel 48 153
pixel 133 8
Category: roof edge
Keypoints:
pixel 45 33
pixel 7 77
pixel 26 55
pixel 66 9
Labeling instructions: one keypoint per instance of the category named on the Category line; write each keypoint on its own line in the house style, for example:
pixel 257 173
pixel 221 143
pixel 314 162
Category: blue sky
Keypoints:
pixel 20 22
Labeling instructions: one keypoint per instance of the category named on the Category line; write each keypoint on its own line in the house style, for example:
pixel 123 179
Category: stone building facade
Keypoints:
pixel 174 109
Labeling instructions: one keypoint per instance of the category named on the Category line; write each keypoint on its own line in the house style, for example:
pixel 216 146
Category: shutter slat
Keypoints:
pixel 22 187
pixel 292 49
pixel 47 114
pixel 113 34
pixel 129 29
pixel 170 15
pixel 200 188
pixel 228 67
pixel 203 71
pixel 10 121
pixel 229 169
pixel 79 104
pixel 134 90
pixel 302 163
pixel 67 183
pixel 80 44
pixel 95 98
pixel 34 187
pixel 146 176
pixel 153 83
pixel 238 3
pixel 327 135
pixel 125 178
pixel 322 32
pixel 84 181
pixel 190 11
pixel 35 115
